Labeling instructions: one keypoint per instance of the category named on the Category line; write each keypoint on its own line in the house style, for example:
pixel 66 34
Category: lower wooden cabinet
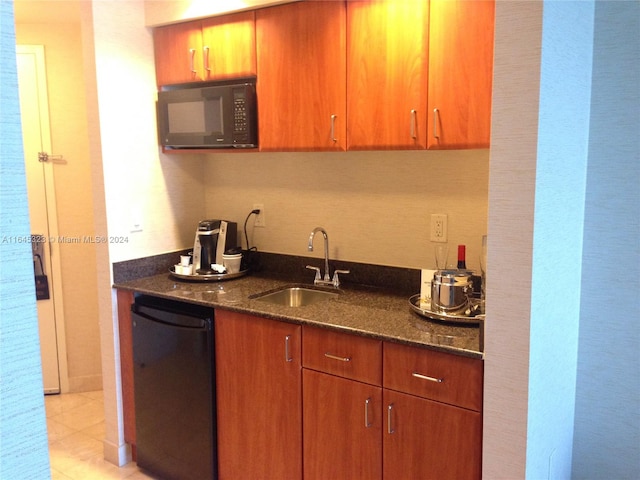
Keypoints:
pixel 342 427
pixel 125 334
pixel 354 427
pixel 427 439
pixel 259 397
pixel 359 409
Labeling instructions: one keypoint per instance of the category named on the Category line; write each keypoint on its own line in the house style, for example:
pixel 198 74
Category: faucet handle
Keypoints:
pixel 336 280
pixel 317 269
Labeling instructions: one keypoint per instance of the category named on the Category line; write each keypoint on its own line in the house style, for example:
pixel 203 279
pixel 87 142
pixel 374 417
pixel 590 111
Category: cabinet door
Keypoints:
pixel 460 73
pixel 259 392
pixel 125 299
pixel 387 75
pixel 301 84
pixel 342 428
pixel 229 46
pixel 426 439
pixel 178 53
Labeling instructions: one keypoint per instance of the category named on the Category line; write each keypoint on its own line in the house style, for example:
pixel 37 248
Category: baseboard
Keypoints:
pixel 86 383
pixel 119 455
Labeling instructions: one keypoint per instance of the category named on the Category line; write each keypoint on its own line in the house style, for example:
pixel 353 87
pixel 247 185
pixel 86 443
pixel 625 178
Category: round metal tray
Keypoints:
pixel 471 318
pixel 214 277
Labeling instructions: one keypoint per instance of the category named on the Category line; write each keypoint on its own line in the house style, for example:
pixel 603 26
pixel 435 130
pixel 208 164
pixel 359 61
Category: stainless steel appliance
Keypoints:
pixel 174 378
pixel 451 291
pixel 214 115
pixel 213 239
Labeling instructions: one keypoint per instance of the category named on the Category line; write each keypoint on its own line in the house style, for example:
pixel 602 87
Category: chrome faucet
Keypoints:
pixel 327 276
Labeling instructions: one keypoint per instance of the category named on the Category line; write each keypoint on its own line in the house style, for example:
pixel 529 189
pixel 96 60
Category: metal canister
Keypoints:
pixel 451 291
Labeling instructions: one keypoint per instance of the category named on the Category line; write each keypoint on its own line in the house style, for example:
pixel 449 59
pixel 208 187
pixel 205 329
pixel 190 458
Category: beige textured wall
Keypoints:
pixel 375 206
pixel 69 138
pixel 510 255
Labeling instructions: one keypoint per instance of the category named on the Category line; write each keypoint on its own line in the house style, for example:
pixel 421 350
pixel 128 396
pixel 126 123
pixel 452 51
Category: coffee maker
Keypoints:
pixel 213 238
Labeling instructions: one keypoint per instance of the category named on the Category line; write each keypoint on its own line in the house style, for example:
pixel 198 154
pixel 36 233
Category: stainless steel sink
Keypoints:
pixel 295 296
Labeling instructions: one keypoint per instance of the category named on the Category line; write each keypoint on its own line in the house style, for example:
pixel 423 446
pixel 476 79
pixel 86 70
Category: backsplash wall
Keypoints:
pixel 375 206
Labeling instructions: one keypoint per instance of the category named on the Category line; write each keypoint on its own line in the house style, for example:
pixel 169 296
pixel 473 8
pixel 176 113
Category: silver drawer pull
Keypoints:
pixel 333 128
pixel 335 357
pixel 287 356
pixel 192 53
pixel 412 128
pixel 424 377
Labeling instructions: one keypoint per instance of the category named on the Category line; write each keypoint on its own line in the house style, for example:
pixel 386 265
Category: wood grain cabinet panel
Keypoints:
pixel 443 377
pixel 215 48
pixel 259 397
pixel 178 53
pixel 347 356
pixel 301 76
pixel 427 439
pixel 387 60
pixel 342 428
pixel 230 41
pixel 461 37
pixel 125 332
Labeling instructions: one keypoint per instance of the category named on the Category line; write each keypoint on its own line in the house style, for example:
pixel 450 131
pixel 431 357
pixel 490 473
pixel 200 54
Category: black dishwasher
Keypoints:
pixel 174 388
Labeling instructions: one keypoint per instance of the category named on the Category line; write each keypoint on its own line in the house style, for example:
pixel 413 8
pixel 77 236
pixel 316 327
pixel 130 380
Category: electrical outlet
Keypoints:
pixel 135 220
pixel 438 227
pixel 261 219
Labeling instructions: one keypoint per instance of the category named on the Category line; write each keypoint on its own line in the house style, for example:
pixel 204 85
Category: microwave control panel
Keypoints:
pixel 241 124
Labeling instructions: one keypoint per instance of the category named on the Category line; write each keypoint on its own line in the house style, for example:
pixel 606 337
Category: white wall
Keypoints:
pixel 510 236
pixel 375 206
pixel 74 200
pixel 133 181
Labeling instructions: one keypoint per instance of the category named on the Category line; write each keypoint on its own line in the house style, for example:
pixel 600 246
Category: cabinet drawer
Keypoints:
pixel 438 376
pixel 347 356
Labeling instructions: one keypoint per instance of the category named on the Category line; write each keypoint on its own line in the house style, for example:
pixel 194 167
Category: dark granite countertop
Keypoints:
pixel 369 312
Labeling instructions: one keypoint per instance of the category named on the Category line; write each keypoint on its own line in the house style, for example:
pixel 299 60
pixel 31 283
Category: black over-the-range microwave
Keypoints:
pixel 209 115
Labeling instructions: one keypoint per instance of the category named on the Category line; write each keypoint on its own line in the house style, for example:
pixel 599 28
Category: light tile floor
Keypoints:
pixel 75 426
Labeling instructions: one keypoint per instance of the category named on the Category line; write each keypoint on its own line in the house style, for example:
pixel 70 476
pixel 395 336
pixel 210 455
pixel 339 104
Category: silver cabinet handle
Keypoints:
pixel 367 424
pixel 390 429
pixel 333 128
pixel 206 59
pixel 287 355
pixel 436 112
pixel 192 52
pixel 413 124
pixel 425 377
pixel 336 357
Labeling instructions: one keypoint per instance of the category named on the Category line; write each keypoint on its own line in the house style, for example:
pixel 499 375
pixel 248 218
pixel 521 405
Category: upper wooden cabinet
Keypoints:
pixel 387 74
pixel 460 73
pixel 419 74
pixel 354 75
pixel 301 76
pixel 214 48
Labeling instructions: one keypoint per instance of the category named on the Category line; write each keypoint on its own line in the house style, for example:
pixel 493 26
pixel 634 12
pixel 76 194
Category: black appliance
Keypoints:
pixel 213 239
pixel 213 115
pixel 174 388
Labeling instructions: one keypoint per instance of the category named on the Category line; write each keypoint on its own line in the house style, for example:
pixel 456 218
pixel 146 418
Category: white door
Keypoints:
pixel 34 109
